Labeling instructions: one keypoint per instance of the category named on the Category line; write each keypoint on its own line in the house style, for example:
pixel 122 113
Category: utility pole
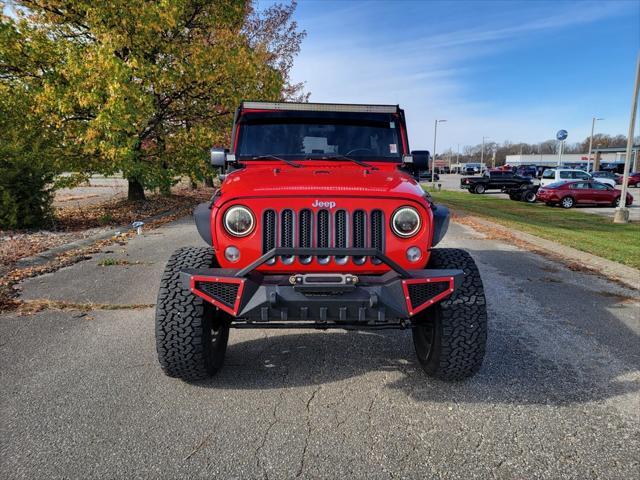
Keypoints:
pixel 622 212
pixel 593 124
pixel 433 161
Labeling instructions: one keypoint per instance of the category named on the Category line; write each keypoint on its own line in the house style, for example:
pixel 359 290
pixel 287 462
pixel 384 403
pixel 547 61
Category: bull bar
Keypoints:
pixel 321 300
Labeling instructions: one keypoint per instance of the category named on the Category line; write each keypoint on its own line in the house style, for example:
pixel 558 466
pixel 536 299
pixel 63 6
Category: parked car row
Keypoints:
pixel 558 186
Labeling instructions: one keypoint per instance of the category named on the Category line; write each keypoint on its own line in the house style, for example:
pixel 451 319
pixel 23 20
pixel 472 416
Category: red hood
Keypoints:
pixel 320 178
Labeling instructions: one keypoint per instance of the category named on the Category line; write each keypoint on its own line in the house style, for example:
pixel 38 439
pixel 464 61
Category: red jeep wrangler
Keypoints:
pixel 320 223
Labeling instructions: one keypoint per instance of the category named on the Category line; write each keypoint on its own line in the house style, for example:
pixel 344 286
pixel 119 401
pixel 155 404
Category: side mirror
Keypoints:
pixel 218 157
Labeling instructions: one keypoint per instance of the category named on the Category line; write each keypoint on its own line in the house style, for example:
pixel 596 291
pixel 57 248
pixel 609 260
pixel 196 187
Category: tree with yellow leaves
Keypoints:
pixel 144 87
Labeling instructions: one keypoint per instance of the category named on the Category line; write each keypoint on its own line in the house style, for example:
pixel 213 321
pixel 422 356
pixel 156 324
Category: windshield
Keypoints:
pixel 549 174
pixel 364 138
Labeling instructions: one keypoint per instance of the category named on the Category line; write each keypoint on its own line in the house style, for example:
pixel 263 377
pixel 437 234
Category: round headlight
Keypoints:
pixel 239 221
pixel 405 222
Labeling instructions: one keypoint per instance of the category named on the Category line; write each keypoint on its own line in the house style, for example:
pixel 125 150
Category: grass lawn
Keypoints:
pixel 583 231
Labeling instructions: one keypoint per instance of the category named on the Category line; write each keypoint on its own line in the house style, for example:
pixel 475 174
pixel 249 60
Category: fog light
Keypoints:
pixel 414 254
pixel 232 253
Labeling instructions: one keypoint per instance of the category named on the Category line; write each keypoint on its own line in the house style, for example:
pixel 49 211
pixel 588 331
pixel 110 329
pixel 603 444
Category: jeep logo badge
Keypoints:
pixel 319 204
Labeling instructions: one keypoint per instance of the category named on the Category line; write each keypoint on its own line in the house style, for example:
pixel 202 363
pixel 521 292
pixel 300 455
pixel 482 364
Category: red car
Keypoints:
pixel 634 179
pixel 569 194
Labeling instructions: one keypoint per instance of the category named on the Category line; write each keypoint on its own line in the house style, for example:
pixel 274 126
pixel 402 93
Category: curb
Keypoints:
pixel 48 255
pixel 629 276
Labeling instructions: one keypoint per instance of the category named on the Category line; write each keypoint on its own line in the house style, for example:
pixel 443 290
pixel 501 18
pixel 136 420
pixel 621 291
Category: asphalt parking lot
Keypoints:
pixel 452 182
pixel 82 396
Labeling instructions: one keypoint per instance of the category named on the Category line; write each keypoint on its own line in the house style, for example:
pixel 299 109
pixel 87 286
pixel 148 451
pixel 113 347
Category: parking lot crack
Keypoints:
pixel 309 429
pixel 265 436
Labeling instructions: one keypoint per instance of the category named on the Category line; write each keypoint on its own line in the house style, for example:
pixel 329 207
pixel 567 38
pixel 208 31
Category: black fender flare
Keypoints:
pixel 202 217
pixel 440 223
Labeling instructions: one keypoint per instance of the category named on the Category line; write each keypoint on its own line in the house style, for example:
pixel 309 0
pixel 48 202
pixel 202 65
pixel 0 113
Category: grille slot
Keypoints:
pixel 376 233
pixel 223 292
pixel 305 232
pixel 359 236
pixel 269 233
pixel 323 229
pixel 286 233
pixel 341 234
pixel 420 293
pixel 323 239
pixel 341 229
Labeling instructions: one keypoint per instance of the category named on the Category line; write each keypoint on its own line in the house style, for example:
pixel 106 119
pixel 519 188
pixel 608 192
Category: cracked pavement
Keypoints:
pixel 557 397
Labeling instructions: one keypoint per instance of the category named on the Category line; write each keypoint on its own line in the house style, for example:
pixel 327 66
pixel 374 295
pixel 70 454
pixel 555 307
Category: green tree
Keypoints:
pixel 144 87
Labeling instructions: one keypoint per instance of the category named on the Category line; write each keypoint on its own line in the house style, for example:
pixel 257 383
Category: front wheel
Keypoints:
pixel 450 337
pixel 191 335
pixel 479 189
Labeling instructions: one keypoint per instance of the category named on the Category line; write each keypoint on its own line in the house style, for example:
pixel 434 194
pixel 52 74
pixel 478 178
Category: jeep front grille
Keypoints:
pixel 324 229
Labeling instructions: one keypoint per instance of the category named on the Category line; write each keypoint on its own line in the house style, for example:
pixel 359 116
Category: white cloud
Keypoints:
pixel 427 76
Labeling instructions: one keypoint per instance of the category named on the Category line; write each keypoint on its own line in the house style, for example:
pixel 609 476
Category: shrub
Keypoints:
pixel 25 194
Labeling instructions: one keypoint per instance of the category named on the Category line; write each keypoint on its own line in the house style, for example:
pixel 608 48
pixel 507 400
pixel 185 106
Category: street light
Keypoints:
pixel 435 137
pixel 482 152
pixel 593 124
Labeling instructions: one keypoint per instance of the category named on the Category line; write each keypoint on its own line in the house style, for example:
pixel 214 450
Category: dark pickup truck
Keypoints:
pixel 493 181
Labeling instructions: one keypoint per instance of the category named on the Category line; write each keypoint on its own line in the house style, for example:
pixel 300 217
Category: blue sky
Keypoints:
pixel 509 70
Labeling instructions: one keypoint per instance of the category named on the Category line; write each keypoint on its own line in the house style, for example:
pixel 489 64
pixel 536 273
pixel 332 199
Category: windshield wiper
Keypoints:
pixel 265 157
pixel 342 157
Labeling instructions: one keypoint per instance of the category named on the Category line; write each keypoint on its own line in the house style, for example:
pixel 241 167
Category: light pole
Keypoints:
pixel 622 212
pixel 593 124
pixel 433 162
pixel 482 153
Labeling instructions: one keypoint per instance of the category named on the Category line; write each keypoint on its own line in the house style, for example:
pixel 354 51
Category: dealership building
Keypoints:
pixel 552 159
pixel 609 155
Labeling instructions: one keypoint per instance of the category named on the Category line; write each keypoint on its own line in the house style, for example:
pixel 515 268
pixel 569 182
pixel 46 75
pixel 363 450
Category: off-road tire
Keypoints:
pixel 450 338
pixel 191 335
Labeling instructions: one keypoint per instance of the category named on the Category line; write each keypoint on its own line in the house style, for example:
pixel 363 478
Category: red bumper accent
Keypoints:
pixel 231 309
pixel 414 309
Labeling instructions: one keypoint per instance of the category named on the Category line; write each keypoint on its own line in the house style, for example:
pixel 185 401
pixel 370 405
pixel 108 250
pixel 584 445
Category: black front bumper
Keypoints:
pixel 322 300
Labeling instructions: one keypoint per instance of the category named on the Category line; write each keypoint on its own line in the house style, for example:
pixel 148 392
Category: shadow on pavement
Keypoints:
pixel 513 373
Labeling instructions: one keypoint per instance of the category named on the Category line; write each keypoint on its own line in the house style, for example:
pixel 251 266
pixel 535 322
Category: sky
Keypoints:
pixel 507 70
